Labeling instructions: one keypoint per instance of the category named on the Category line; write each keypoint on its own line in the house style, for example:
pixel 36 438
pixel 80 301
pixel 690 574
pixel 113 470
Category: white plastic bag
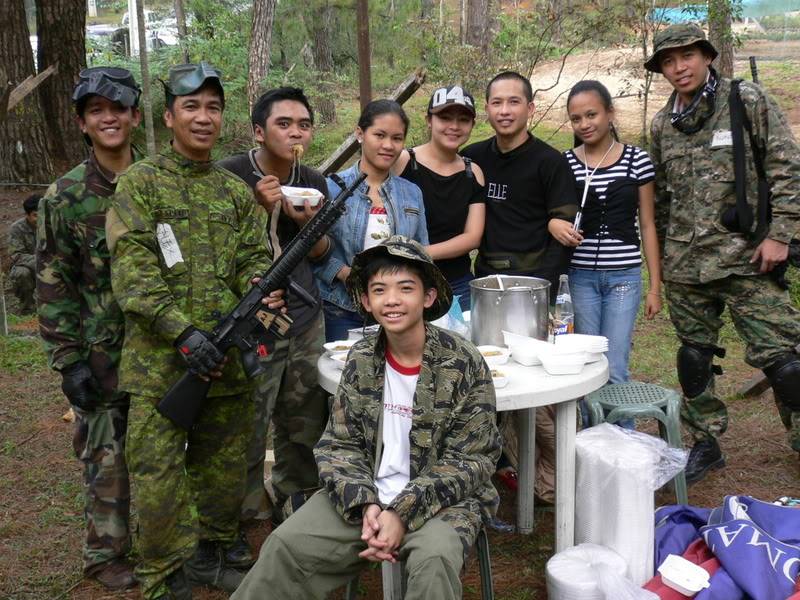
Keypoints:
pixel 591 572
pixel 617 472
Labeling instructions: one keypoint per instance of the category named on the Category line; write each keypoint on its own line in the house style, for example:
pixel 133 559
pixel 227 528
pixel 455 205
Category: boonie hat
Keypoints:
pixel 188 78
pixel 453 95
pixel 409 249
pixel 113 83
pixel 676 36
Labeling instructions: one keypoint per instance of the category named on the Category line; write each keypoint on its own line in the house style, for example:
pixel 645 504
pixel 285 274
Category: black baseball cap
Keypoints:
pixel 452 95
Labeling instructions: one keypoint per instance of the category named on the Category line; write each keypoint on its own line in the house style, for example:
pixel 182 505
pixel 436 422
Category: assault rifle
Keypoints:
pixel 185 398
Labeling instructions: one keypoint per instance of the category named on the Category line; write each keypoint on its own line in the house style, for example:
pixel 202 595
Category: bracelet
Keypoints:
pixel 654 294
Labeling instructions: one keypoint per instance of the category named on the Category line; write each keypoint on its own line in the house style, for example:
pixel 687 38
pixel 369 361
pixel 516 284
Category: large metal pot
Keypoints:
pixel 508 302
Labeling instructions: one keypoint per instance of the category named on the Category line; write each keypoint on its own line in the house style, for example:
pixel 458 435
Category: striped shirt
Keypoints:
pixel 602 251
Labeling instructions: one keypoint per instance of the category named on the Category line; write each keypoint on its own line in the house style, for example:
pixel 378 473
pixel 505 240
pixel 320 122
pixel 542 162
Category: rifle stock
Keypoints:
pixel 184 400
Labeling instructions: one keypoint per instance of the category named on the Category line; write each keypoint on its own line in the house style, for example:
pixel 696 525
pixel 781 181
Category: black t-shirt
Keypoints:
pixel 245 167
pixel 447 200
pixel 525 188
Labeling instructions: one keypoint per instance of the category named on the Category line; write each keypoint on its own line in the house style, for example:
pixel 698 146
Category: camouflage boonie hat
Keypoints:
pixel 677 36
pixel 409 249
pixel 188 78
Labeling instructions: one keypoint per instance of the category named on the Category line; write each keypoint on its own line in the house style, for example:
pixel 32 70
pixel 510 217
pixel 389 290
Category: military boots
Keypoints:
pixel 178 587
pixel 704 457
pixel 207 567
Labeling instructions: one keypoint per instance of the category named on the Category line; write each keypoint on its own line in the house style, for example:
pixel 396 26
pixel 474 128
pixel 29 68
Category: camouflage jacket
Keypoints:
pixel 185 238
pixel 78 317
pixel 454 439
pixel 22 244
pixel 695 184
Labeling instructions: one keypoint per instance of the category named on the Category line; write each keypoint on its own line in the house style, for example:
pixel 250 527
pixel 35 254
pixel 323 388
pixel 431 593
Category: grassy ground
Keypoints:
pixel 40 490
pixel 40 494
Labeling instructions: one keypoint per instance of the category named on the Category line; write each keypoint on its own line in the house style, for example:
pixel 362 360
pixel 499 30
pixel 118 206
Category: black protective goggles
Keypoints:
pixel 115 84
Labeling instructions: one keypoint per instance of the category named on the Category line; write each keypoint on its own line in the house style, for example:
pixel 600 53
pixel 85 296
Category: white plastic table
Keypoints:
pixel 528 388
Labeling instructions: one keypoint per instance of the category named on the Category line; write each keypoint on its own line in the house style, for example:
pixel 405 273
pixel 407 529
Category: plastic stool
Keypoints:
pixel 642 400
pixel 394 584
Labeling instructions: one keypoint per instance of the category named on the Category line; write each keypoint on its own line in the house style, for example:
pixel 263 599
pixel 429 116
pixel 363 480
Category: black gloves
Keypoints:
pixel 199 353
pixel 77 385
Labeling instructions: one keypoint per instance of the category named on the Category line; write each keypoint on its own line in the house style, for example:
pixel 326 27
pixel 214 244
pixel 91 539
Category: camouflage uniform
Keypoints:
pixel 706 266
pixel 22 276
pixel 287 392
pixel 80 322
pixel 186 238
pixel 454 447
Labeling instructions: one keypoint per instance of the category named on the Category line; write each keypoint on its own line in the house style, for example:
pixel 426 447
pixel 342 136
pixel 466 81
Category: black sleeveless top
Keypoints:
pixel 447 200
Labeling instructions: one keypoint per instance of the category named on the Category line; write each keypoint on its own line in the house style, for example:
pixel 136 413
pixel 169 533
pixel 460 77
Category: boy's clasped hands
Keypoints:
pixel 383 531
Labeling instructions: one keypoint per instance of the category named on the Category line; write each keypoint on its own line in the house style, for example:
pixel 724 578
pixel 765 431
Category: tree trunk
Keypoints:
pixel 180 20
pixel 321 23
pixel 260 42
pixel 720 35
pixel 479 23
pixel 23 141
pixel 61 28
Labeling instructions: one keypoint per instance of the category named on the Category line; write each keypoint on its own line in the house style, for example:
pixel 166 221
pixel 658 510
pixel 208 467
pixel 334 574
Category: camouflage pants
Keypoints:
pixel 316 551
pixel 288 394
pixel 99 443
pixel 23 285
pixel 763 316
pixel 187 486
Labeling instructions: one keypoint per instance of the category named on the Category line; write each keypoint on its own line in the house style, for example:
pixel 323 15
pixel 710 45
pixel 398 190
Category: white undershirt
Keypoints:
pixel 378 228
pixel 398 405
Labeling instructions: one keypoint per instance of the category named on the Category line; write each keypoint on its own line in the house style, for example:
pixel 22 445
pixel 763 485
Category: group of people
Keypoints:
pixel 137 259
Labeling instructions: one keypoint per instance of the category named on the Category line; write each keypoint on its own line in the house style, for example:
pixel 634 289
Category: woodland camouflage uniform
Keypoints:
pixel 454 447
pixel 186 239
pixel 80 321
pixel 22 275
pixel 706 266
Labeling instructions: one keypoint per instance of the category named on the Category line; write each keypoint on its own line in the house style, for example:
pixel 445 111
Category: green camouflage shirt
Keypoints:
pixel 78 317
pixel 22 244
pixel 186 238
pixel 695 184
pixel 454 439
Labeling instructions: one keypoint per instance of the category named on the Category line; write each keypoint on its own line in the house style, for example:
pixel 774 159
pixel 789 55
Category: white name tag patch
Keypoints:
pixel 722 138
pixel 169 245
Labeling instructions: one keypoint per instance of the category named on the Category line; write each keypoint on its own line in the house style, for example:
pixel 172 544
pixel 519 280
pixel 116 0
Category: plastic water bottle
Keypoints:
pixel 564 316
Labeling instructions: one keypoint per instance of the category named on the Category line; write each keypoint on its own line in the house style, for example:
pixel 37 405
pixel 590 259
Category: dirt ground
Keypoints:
pixel 620 71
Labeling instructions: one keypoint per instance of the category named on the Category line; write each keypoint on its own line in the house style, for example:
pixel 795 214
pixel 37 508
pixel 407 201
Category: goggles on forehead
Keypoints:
pixel 115 84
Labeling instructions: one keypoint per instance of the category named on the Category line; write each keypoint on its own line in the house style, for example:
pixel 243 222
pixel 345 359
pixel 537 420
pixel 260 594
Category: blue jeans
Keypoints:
pixel 338 320
pixel 461 289
pixel 606 303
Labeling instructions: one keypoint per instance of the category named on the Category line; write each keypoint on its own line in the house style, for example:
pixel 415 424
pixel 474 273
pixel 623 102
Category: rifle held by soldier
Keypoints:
pixel 184 400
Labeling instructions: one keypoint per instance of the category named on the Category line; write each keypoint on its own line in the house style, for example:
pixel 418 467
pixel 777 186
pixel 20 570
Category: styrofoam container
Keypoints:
pixel 499 379
pixel 298 195
pixel 592 357
pixel 339 359
pixel 525 355
pixel 683 576
pixel 338 346
pixel 563 364
pixel 494 355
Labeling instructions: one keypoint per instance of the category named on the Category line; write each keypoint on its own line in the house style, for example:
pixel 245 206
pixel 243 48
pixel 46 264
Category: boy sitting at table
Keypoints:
pixel 407 456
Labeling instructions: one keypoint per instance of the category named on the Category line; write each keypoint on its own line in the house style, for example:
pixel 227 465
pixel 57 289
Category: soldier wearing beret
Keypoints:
pixel 710 259
pixel 186 240
pixel 81 324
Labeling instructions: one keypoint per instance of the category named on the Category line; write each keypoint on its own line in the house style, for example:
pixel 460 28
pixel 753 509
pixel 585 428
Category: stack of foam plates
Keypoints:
pixel 525 350
pixel 594 345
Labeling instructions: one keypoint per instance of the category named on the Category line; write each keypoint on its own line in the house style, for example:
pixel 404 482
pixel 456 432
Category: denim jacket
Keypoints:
pixel 406 212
